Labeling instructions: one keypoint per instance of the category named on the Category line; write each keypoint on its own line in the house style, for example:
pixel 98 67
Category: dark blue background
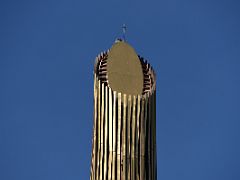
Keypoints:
pixel 47 52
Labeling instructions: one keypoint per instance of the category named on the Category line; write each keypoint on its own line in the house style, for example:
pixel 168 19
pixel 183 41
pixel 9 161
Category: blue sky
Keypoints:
pixel 47 51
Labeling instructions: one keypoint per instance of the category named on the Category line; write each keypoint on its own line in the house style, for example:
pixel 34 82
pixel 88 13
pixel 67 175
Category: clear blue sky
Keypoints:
pixel 47 51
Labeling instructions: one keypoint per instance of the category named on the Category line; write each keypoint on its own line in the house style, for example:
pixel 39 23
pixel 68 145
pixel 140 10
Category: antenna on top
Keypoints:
pixel 124 29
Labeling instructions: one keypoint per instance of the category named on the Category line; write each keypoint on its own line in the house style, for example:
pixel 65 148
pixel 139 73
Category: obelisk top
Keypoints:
pixel 124 69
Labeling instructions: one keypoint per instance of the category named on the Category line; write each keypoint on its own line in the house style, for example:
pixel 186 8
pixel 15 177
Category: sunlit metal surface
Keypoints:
pixel 124 126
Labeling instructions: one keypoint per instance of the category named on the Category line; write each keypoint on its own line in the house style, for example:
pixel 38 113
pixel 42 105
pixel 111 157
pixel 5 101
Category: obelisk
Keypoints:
pixel 124 126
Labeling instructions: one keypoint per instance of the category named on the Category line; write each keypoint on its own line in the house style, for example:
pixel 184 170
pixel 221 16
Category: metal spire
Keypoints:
pixel 124 29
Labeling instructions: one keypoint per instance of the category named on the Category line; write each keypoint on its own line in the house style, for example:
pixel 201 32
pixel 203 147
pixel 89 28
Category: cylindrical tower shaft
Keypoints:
pixel 124 126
